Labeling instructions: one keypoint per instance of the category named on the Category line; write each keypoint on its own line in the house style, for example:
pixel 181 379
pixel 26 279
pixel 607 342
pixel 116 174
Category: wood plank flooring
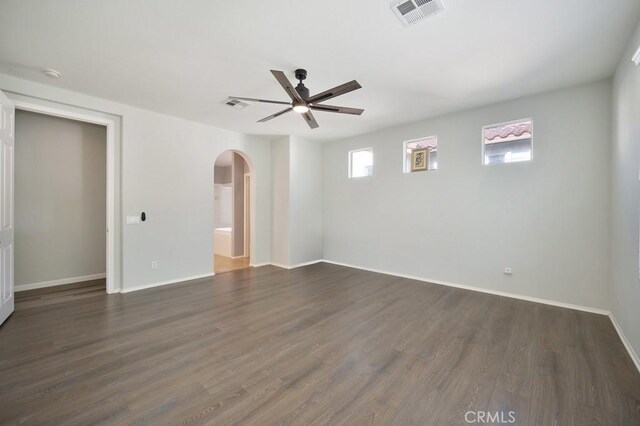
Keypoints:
pixel 322 344
pixel 61 293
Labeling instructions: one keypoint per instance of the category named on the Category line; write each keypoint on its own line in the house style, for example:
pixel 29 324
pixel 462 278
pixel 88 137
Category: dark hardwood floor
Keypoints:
pixel 60 294
pixel 322 344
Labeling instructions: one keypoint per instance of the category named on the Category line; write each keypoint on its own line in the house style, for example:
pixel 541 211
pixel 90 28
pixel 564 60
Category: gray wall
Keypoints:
pixel 60 198
pixel 280 203
pixel 625 196
pixel 464 223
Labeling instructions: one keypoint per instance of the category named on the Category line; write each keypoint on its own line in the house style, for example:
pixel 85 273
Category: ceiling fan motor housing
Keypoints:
pixel 302 91
pixel 301 74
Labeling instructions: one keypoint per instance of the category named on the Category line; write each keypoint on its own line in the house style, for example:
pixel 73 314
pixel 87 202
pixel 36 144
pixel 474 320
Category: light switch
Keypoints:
pixel 133 220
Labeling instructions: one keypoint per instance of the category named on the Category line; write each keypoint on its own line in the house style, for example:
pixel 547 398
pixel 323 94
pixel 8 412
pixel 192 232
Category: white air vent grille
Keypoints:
pixel 235 103
pixel 413 11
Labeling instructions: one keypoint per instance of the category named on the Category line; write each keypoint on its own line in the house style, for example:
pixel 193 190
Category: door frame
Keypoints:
pixel 88 117
pixel 247 215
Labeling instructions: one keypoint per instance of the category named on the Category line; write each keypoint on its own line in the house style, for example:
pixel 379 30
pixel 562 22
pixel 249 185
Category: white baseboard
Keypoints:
pixel 297 265
pixel 479 289
pixel 162 283
pixel 257 265
pixel 63 281
pixel 625 342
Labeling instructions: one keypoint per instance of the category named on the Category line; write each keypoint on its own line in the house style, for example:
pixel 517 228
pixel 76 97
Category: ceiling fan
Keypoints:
pixel 302 103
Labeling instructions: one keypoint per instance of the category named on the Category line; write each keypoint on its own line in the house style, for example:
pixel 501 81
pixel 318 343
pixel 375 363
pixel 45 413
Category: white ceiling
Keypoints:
pixel 185 57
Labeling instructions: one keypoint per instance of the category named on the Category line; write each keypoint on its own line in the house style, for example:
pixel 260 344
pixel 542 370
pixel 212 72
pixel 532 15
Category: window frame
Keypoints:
pixel 404 154
pixel 349 163
pixel 504 123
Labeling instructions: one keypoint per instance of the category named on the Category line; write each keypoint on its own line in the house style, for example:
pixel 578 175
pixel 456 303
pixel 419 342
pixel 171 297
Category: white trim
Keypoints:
pixel 298 265
pixel 479 289
pixel 247 214
pixel 112 250
pixel 258 265
pixel 280 265
pixel 162 283
pixel 349 154
pixel 625 342
pixel 63 281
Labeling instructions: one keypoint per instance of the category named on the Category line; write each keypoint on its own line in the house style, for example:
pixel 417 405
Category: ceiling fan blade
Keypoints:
pixel 265 101
pixel 310 119
pixel 277 114
pixel 336 91
pixel 337 109
pixel 286 85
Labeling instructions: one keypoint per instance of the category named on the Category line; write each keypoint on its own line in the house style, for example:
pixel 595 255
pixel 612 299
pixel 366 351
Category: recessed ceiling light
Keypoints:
pixel 51 73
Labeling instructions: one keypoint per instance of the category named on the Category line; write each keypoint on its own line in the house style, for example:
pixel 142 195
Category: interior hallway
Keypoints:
pixel 226 264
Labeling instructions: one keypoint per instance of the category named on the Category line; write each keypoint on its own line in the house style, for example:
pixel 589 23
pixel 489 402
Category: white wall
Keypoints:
pixel 464 223
pixel 297 201
pixel 60 199
pixel 305 200
pixel 626 195
pixel 167 172
pixel 223 206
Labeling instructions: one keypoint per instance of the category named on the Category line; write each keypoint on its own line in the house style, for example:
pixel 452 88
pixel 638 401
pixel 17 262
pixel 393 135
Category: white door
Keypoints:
pixel 7 117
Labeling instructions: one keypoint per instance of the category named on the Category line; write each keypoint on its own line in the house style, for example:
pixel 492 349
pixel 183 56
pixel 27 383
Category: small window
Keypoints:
pixel 507 142
pixel 361 163
pixel 426 148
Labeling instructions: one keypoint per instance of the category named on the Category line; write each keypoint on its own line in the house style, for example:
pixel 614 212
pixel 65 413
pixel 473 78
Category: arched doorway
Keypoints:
pixel 233 211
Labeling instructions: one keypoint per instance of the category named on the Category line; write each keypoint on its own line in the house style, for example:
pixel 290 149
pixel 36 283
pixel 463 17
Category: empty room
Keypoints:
pixel 304 212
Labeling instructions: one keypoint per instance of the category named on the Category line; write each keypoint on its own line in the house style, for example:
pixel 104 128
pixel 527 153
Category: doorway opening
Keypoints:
pixel 233 202
pixel 108 227
pixel 60 206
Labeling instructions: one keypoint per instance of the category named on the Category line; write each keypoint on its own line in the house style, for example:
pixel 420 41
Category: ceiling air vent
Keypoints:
pixel 235 103
pixel 413 11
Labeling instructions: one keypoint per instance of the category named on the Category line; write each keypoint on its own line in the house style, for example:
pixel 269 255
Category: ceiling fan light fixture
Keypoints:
pixel 302 103
pixel 301 108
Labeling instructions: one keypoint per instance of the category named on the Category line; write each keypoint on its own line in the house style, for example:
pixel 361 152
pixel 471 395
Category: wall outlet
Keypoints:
pixel 507 271
pixel 154 264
